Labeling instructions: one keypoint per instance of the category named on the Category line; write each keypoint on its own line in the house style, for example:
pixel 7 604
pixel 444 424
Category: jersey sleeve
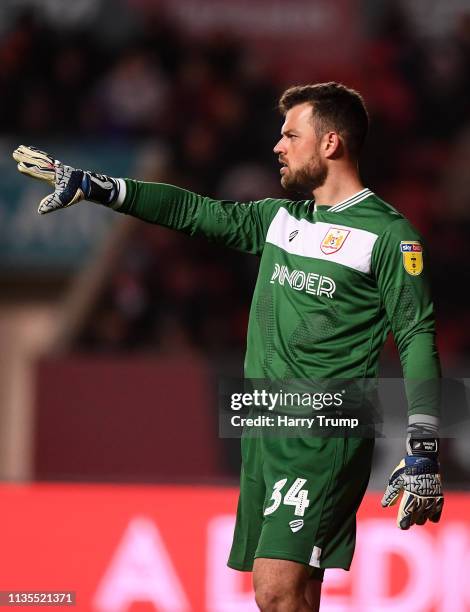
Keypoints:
pixel 240 225
pixel 400 265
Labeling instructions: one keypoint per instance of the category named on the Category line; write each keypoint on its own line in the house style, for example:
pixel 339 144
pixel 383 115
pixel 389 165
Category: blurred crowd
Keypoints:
pixel 205 113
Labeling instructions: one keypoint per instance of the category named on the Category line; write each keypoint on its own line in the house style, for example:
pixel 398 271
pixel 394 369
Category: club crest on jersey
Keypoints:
pixel 334 240
pixel 412 253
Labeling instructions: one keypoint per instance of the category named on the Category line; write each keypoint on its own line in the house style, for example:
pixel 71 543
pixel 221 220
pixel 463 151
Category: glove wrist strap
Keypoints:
pixel 422 446
pixel 103 189
pixel 423 433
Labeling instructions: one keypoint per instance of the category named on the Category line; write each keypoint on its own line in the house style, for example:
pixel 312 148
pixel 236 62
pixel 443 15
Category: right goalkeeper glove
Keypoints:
pixel 418 478
pixel 71 185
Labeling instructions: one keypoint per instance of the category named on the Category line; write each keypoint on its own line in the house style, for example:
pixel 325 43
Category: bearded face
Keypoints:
pixel 303 167
pixel 305 178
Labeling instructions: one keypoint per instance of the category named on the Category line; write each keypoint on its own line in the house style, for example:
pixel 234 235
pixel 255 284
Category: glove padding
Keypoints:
pixel 67 181
pixel 419 479
pixel 71 185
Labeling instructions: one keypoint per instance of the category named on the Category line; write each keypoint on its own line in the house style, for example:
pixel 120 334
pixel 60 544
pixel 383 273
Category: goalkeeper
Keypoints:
pixel 338 270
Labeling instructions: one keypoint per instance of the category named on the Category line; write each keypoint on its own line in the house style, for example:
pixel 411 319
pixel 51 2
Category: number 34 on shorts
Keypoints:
pixel 295 496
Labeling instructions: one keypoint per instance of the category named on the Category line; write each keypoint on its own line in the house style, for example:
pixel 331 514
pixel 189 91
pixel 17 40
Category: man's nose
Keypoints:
pixel 278 148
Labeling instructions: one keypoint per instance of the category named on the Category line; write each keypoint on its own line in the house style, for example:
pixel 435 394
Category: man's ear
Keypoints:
pixel 332 145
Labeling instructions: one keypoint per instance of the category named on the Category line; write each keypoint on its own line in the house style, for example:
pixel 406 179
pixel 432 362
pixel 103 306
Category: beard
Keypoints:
pixel 308 178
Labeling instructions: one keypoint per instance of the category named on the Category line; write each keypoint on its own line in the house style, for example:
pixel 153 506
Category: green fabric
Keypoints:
pixel 318 311
pixel 330 473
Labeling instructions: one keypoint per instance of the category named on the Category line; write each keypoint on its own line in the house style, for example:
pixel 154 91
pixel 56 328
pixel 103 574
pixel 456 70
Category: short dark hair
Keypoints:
pixel 334 107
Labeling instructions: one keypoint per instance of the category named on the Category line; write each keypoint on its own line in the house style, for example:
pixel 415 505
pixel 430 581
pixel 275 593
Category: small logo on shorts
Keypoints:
pixel 292 235
pixel 296 525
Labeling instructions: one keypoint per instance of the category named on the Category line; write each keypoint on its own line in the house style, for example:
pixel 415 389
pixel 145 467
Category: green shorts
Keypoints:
pixel 298 500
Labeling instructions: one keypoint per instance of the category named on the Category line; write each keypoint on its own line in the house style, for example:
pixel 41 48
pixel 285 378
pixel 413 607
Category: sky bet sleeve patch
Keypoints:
pixel 412 253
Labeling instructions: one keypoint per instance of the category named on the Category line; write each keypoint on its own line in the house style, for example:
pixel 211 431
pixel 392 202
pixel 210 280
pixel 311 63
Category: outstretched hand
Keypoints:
pixel 68 182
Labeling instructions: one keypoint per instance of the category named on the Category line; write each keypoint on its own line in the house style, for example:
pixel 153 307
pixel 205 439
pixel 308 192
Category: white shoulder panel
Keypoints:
pixel 347 246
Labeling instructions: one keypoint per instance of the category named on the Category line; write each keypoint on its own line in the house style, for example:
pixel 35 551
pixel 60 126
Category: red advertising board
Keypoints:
pixel 159 548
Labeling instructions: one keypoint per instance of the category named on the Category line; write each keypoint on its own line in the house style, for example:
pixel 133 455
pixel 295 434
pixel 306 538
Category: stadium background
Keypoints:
pixel 114 333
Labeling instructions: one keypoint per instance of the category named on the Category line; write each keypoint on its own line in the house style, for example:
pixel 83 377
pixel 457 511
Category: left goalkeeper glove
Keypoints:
pixel 418 477
pixel 71 185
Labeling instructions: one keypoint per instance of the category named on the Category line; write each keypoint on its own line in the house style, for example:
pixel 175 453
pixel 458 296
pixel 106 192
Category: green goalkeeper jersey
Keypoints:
pixel 332 282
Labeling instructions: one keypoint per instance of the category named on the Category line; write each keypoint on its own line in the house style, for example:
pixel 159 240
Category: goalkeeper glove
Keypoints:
pixel 418 477
pixel 71 185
